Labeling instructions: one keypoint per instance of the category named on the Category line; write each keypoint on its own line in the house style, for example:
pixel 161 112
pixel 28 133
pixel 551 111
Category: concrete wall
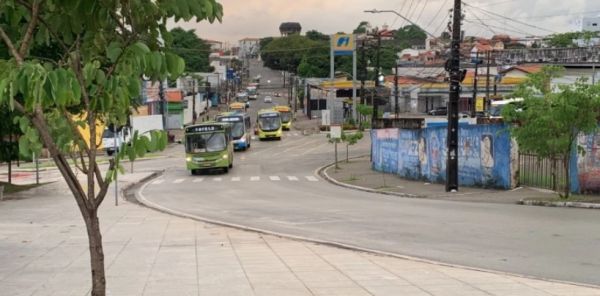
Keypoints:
pixel 485 153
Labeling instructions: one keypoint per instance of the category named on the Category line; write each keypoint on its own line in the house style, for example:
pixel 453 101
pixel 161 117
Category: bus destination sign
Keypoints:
pixel 203 128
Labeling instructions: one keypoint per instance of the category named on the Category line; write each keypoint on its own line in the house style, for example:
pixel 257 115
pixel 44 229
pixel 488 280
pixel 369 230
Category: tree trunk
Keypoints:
pixel 347 158
pixel 567 177
pixel 96 254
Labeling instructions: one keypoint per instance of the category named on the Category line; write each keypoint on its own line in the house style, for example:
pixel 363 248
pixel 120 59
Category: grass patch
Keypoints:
pixel 12 188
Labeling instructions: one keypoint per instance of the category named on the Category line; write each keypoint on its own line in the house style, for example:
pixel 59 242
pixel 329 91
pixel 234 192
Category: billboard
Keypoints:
pixel 343 44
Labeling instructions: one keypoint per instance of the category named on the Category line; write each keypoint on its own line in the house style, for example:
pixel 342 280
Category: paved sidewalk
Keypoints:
pixel 43 250
pixel 358 173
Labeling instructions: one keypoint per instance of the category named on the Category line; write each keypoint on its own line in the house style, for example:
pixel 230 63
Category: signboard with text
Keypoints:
pixel 343 44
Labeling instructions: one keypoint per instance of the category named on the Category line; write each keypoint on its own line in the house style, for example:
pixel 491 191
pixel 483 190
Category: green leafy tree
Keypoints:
pixel 549 120
pixel 567 39
pixel 103 48
pixel 362 28
pixel 351 139
pixel 316 36
pixel 192 49
pixel 286 53
pixel 409 36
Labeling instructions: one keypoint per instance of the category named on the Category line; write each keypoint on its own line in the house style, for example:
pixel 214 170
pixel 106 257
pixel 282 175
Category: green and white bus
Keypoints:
pixel 208 145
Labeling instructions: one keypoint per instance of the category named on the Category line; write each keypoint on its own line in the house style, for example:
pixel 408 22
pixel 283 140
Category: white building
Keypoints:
pixel 591 24
pixel 249 47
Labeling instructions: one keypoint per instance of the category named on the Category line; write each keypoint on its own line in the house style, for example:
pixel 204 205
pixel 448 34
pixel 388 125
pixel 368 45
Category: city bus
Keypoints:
pixel 237 106
pixel 241 127
pixel 268 124
pixel 286 116
pixel 208 146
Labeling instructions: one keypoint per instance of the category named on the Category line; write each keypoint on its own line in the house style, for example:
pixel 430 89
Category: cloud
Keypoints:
pixel 260 18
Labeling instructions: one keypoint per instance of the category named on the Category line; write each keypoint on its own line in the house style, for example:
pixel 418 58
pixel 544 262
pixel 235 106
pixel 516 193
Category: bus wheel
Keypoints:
pixel 193 172
pixel 225 170
pixel 231 165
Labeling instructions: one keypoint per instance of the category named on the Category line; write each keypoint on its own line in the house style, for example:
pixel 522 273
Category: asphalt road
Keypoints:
pixel 273 187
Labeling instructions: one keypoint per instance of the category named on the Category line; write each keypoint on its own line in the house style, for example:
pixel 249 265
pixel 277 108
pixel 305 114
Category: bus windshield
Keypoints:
pixel 286 116
pixel 237 125
pixel 199 143
pixel 269 123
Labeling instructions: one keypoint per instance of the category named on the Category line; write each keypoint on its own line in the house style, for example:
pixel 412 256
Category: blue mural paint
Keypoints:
pixel 484 154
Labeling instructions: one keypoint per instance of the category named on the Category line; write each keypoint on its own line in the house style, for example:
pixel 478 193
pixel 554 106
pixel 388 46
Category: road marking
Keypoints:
pixel 217 179
pixel 255 178
pixel 292 178
pixel 178 181
pixel 157 182
pixel 274 178
pixel 198 180
pixel 235 179
pixel 312 178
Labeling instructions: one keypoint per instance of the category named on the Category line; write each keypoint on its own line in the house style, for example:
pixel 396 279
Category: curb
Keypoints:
pixel 322 171
pixel 139 197
pixel 53 168
pixel 124 189
pixel 563 204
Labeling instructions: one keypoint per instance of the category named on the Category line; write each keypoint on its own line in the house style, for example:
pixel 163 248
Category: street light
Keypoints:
pixel 403 17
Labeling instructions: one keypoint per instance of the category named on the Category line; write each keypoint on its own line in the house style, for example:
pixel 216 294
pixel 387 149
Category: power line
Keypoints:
pixel 438 12
pixel 422 10
pixel 489 28
pixel 553 15
pixel 508 27
pixel 397 17
pixel 507 18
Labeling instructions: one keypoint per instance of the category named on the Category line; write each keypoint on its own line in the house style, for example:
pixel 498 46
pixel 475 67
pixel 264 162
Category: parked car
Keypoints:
pixel 268 99
pixel 438 111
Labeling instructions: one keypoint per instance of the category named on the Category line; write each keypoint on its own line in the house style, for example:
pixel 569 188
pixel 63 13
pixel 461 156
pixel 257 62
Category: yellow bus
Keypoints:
pixel 208 146
pixel 237 106
pixel 268 124
pixel 286 116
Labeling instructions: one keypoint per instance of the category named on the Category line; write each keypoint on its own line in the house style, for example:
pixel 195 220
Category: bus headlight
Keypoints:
pixel 189 158
pixel 225 156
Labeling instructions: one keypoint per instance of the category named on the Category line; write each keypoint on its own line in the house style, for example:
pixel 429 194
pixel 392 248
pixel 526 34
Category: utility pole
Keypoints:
pixel 194 114
pixel 453 66
pixel 475 82
pixel 375 115
pixel 161 95
pixel 396 111
pixel 487 82
pixel 364 73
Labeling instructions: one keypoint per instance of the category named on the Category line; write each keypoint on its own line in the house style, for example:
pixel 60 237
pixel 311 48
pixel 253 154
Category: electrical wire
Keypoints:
pixel 508 18
pixel 422 10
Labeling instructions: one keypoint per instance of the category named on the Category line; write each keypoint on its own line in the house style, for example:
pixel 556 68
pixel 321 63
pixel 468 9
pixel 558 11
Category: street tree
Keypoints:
pixel 286 53
pixel 549 120
pixel 410 35
pixel 9 133
pixel 567 39
pixel 192 49
pixel 103 49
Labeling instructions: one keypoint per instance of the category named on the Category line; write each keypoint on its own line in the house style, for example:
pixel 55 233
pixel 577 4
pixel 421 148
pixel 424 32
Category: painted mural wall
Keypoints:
pixel 585 168
pixel 485 153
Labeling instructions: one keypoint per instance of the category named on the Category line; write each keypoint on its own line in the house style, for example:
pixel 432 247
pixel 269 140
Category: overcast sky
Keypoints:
pixel 260 18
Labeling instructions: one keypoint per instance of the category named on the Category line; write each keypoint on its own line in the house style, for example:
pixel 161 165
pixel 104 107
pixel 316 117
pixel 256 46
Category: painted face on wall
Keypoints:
pixel 487 152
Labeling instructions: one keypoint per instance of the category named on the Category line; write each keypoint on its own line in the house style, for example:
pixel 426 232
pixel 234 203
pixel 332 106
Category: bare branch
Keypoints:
pixel 104 188
pixel 11 47
pixel 35 10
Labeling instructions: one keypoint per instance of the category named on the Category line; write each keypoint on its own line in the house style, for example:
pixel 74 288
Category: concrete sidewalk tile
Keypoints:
pixel 340 291
pixel 259 291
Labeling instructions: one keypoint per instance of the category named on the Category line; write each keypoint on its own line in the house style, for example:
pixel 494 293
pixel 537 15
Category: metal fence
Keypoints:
pixel 548 173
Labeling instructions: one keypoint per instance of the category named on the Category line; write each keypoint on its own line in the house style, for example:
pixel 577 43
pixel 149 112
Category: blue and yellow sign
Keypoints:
pixel 343 44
